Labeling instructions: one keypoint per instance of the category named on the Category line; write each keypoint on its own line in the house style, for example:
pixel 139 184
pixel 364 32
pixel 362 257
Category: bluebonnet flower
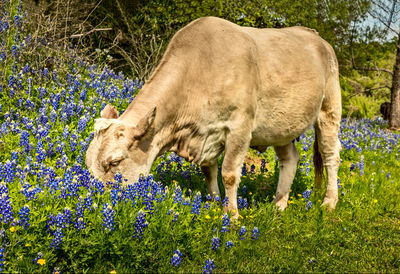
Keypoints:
pixel 65 133
pixel 178 195
pixel 307 193
pixel 242 233
pixel 176 258
pixel 255 233
pixel 242 203
pixel 244 170
pixel 244 190
pixel 225 201
pixel 3 56
pixel 24 216
pixel 140 224
pixel 209 266
pixel 226 223
pixel 24 139
pixel 82 124
pixel 80 223
pixel 229 244
pixel 215 242
pixel 196 204
pixel 6 214
pixel 149 202
pixel 58 239
pixel 30 192
pixel 108 217
pixel 362 165
pixel 38 257
pixel 1 259
pixel 53 116
pixel 176 215
pixel 262 166
pixel 312 260
pixel 308 205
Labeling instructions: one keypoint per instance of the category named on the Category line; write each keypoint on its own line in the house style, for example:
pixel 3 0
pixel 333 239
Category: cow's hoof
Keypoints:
pixel 329 203
pixel 281 204
pixel 234 212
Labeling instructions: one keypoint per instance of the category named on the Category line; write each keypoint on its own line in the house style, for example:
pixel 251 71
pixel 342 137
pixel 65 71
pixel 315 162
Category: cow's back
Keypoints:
pixel 216 76
pixel 294 65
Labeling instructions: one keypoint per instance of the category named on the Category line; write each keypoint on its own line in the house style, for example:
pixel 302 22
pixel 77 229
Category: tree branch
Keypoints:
pixel 89 32
pixel 372 69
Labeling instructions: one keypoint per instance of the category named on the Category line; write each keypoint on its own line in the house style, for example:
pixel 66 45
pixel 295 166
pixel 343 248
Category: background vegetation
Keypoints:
pixel 131 36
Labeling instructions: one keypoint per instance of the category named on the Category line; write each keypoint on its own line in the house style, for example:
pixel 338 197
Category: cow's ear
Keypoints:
pixel 109 112
pixel 144 124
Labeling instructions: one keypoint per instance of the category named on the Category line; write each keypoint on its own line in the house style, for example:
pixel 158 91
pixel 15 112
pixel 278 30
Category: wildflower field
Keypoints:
pixel 56 217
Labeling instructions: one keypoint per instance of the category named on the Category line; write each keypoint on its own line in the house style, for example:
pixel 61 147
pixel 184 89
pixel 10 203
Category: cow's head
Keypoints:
pixel 120 147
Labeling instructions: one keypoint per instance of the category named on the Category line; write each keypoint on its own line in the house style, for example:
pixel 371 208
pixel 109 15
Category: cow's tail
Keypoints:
pixel 318 165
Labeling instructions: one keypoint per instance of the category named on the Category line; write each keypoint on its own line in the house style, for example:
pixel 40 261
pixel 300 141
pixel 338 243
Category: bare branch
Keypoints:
pixel 373 69
pixel 89 32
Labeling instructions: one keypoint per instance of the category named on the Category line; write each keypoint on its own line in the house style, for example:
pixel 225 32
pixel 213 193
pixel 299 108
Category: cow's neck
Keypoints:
pixel 155 93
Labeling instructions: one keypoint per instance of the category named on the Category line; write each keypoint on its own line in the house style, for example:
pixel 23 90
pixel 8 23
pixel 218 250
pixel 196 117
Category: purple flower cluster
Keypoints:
pixel 306 195
pixel 176 258
pixel 226 223
pixel 209 266
pixel 108 217
pixel 140 224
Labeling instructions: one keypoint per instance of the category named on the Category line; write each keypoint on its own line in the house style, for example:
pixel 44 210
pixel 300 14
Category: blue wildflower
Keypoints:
pixel 108 217
pixel 24 216
pixel 244 170
pixel 229 244
pixel 1 259
pixel 226 223
pixel 140 224
pixel 6 214
pixel 196 204
pixel 58 238
pixel 209 266
pixel 255 233
pixel 178 195
pixel 242 233
pixel 308 205
pixel 215 242
pixel 176 258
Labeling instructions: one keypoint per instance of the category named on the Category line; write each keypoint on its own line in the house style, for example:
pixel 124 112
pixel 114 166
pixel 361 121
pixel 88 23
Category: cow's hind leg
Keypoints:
pixel 288 159
pixel 236 147
pixel 327 130
pixel 211 174
pixel 329 147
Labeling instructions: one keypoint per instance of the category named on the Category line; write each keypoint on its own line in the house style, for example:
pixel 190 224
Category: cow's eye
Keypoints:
pixel 115 163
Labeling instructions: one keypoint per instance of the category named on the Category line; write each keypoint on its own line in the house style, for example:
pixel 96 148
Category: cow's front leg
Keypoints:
pixel 288 159
pixel 235 150
pixel 211 174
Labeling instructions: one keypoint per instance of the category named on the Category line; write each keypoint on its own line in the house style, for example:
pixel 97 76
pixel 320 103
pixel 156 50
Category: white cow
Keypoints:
pixel 223 88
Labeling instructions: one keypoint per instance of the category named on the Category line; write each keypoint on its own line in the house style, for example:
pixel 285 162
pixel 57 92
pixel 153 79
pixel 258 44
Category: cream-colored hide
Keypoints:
pixel 222 87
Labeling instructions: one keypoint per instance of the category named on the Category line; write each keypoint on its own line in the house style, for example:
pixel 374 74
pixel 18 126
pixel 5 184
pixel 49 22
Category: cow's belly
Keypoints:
pixel 278 124
pixel 270 134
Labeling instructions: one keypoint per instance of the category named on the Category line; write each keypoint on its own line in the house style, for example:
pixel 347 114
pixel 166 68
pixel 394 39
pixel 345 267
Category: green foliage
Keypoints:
pixel 362 107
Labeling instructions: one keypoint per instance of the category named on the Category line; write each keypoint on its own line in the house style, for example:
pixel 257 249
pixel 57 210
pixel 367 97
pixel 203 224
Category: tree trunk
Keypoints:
pixel 394 122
